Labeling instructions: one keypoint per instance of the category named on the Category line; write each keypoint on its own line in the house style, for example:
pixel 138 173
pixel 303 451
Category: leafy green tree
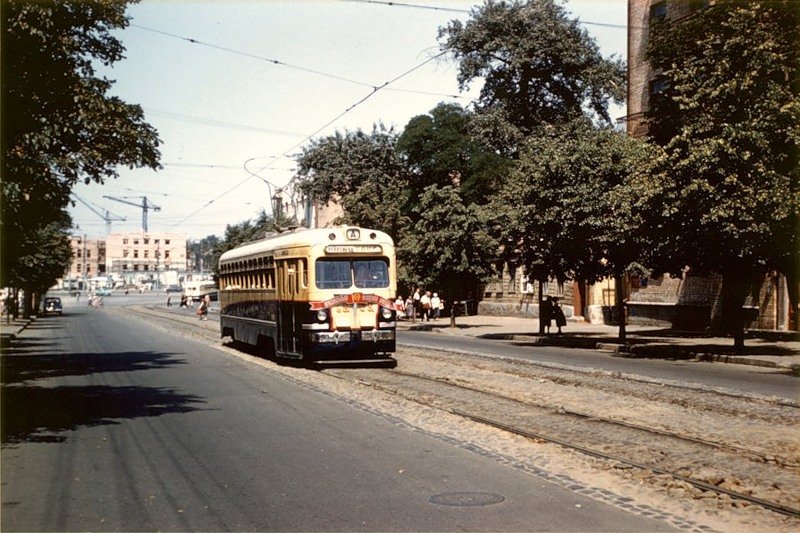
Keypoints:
pixel 237 235
pixel 538 67
pixel 452 251
pixel 729 123
pixel 360 171
pixel 566 209
pixel 438 148
pixel 45 257
pixel 60 125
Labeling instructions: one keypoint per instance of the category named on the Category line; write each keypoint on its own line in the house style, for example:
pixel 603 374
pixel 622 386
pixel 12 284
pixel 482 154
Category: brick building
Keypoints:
pixel 88 259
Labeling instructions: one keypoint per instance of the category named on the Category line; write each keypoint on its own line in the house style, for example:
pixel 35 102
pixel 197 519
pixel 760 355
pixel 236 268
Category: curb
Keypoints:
pixel 635 351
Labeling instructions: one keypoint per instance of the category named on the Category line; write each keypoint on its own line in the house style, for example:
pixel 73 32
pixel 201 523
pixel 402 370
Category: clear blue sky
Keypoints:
pixel 222 101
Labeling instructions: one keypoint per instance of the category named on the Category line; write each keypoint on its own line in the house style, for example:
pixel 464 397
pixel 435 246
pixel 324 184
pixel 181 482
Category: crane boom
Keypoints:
pixel 144 206
pixel 108 217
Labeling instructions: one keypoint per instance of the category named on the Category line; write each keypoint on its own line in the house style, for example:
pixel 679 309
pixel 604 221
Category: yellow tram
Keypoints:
pixel 320 295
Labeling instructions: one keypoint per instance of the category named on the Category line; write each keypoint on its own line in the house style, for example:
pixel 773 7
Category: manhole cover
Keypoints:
pixel 466 499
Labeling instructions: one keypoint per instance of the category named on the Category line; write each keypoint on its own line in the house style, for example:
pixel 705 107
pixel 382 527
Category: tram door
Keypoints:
pixel 287 290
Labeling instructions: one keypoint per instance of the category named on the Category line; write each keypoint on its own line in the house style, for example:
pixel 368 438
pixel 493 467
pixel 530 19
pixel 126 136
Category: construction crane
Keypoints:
pixel 144 206
pixel 108 217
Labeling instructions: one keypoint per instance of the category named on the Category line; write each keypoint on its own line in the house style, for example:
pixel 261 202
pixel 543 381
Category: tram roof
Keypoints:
pixel 305 237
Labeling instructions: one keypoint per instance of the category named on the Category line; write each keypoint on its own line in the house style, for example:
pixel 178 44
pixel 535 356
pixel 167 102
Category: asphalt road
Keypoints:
pixel 109 424
pixel 735 378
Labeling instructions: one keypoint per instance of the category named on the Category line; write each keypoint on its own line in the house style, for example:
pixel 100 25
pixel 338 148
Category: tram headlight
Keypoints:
pixel 322 315
pixel 387 313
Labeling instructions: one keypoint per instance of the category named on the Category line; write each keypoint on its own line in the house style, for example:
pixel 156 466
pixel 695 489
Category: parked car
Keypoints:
pixel 102 292
pixel 52 306
pixel 172 288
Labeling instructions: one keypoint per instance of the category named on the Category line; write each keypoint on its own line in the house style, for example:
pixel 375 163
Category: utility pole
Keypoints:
pixel 144 207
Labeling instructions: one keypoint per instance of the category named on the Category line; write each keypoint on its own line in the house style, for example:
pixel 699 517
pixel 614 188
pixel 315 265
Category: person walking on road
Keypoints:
pixel 436 306
pixel 425 304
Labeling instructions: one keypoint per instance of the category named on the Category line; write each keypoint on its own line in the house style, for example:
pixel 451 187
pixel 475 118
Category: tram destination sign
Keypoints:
pixel 353 249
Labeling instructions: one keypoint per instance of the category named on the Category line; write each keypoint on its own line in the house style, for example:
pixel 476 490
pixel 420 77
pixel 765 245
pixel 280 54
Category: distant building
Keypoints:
pixel 88 258
pixel 139 256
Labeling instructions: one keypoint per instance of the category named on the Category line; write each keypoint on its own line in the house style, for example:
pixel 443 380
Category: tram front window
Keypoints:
pixel 340 273
pixel 371 273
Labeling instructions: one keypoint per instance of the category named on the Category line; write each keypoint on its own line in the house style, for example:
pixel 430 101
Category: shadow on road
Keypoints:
pixel 44 411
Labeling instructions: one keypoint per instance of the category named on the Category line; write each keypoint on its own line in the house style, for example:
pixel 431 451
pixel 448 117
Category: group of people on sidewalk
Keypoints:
pixel 423 305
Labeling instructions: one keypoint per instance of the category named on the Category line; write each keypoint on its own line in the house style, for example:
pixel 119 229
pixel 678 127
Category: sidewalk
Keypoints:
pixel 775 349
pixel 10 330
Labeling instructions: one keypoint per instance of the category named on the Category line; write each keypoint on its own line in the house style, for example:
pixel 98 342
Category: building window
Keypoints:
pixel 78 267
pixel 166 241
pixel 658 11
pixel 147 241
pixel 88 253
pixel 156 241
pixel 136 253
pixel 125 252
pixel 147 253
pixel 124 241
pixel 658 85
pixel 135 267
pixel 88 268
pixel 166 254
pixel 146 267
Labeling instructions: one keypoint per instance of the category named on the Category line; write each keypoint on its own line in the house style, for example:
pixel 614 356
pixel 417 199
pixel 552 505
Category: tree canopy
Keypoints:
pixel 538 67
pixel 60 125
pixel 362 172
pixel 565 210
pixel 438 148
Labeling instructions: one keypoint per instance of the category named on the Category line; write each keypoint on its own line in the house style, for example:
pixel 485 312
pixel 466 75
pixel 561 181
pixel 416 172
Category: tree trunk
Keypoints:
pixel 619 300
pixel 540 300
pixel 730 316
pixel 793 286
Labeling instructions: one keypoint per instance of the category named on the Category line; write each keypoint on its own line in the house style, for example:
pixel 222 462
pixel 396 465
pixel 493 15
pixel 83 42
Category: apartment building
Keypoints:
pixel 139 253
pixel 88 258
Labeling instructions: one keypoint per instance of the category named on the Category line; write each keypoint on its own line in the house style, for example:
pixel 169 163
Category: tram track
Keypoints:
pixel 666 453
pixel 621 446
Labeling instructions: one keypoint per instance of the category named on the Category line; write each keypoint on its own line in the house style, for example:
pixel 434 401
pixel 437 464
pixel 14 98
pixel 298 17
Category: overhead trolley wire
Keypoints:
pixel 284 64
pixel 456 10
pixel 286 152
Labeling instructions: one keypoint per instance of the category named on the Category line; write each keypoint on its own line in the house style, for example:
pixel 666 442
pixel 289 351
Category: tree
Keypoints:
pixel 538 66
pixel 566 209
pixel 59 124
pixel 361 172
pixel 438 148
pixel 729 123
pixel 453 249
pixel 46 256
pixel 237 235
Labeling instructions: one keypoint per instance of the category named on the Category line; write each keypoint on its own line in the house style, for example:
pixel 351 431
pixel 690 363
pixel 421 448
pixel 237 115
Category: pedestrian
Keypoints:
pixel 425 303
pixel 546 314
pixel 436 306
pixel 409 307
pixel 417 305
pixel 558 314
pixel 202 310
pixel 400 306
pixel 169 301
